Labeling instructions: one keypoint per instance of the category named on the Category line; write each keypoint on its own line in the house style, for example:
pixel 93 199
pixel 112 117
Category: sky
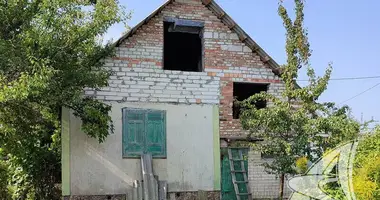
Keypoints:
pixel 345 33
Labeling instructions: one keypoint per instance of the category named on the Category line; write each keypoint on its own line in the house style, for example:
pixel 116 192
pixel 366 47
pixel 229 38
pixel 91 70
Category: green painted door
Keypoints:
pixel 227 186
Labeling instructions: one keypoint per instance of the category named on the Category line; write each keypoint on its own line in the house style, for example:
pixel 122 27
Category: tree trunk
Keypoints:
pixel 282 183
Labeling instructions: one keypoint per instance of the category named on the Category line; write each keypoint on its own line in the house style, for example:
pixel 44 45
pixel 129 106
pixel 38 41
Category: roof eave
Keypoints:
pixel 244 37
pixel 144 21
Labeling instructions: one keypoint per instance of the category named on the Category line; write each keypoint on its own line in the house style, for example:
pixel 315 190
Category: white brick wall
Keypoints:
pixel 156 85
pixel 262 184
pixel 145 83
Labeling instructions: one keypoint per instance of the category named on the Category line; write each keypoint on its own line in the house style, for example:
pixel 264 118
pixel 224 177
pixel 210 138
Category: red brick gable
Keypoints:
pixel 227 56
pixel 225 18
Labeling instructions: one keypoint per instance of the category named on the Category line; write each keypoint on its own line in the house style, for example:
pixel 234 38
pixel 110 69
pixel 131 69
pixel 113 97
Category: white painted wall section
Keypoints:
pixel 99 169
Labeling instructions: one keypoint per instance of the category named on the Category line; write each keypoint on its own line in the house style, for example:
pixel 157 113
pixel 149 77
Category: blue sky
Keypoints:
pixel 345 33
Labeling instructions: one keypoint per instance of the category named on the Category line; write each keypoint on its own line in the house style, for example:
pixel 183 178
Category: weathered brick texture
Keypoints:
pixel 262 184
pixel 138 74
pixel 143 84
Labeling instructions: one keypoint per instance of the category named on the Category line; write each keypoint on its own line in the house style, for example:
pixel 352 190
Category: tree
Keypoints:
pixel 49 52
pixel 296 126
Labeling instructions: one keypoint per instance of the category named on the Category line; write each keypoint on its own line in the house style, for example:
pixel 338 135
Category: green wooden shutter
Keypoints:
pixel 133 132
pixel 156 133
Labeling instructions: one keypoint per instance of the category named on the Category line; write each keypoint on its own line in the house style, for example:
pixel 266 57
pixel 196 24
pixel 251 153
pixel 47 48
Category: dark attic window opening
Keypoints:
pixel 243 91
pixel 183 48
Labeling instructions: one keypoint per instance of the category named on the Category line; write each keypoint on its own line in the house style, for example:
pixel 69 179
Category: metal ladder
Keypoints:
pixel 242 171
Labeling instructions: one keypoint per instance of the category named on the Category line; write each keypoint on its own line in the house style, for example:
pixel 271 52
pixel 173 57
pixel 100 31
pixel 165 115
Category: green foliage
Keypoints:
pixel 367 167
pixel 296 125
pixel 301 164
pixel 50 50
pixel 366 173
pixel 4 177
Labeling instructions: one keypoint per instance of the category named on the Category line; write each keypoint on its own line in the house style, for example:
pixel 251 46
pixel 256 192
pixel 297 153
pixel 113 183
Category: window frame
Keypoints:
pixel 188 23
pixel 125 153
pixel 266 85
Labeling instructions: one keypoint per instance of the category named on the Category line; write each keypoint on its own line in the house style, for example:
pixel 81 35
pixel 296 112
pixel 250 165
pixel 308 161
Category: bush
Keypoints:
pixel 366 173
pixel 35 178
pixel 4 177
pixel 367 168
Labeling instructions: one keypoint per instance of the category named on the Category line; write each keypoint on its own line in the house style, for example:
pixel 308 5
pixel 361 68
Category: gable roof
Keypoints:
pixel 227 20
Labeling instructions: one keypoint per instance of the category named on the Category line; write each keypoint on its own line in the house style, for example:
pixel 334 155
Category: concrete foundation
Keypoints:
pixel 99 197
pixel 199 195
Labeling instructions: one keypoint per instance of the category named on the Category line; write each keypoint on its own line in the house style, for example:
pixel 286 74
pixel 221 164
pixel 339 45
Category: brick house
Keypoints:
pixel 175 77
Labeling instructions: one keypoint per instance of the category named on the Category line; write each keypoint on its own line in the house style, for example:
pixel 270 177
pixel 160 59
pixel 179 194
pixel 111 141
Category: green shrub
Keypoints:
pixel 4 177
pixel 366 173
pixel 36 177
pixel 367 168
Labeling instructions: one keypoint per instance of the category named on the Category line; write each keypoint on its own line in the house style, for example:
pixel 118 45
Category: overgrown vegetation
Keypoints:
pixel 296 126
pixel 49 52
pixel 366 173
pixel 367 167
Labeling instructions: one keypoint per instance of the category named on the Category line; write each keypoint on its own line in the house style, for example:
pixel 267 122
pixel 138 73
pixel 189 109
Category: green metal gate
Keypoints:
pixel 227 187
